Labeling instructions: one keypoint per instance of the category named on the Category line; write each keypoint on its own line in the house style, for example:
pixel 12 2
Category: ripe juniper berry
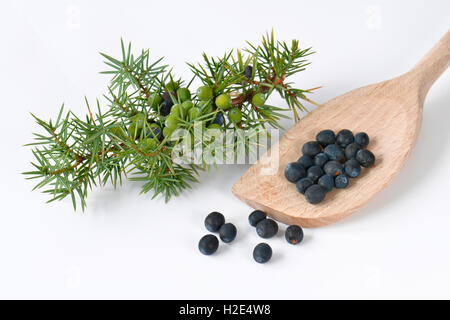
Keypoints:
pixel 344 138
pixel 314 194
pixel 294 234
pixel 267 228
pixel 314 173
pixel 227 232
pixel 208 244
pixel 214 221
pixel 365 158
pixel 362 139
pixel 326 137
pixel 341 181
pixel 334 152
pixel 305 161
pixel 333 168
pixel 311 148
pixel 255 217
pixel 294 171
pixel 320 159
pixel 262 253
pixel 352 168
pixel 304 184
pixel 351 150
pixel 326 182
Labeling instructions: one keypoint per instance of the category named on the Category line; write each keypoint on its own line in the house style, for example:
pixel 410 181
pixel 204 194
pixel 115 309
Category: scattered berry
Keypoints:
pixel 341 181
pixel 311 148
pixel 334 152
pixel 314 173
pixel 333 168
pixel 344 138
pixel 204 93
pixel 305 161
pixel 320 159
pixel 314 194
pixel 294 171
pixel 255 217
pixel 248 71
pixel 293 234
pixel 304 184
pixel 223 101
pixel 267 228
pixel 208 244
pixel 365 158
pixel 362 139
pixel 326 182
pixel 214 221
pixel 227 232
pixel 352 168
pixel 262 253
pixel 351 150
pixel 326 137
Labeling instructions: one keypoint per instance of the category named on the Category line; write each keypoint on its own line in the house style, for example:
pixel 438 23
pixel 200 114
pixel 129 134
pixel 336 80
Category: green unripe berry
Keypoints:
pixel 223 101
pixel 204 93
pixel 118 132
pixel 172 121
pixel 134 131
pixel 154 100
pixel 235 115
pixel 259 99
pixel 183 94
pixel 187 105
pixel 139 119
pixel 167 132
pixel 172 86
pixel 205 107
pixel 177 111
pixel 148 144
pixel 194 113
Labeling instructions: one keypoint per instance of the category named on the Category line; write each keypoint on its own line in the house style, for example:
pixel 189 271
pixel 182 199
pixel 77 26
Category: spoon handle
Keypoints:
pixel 432 65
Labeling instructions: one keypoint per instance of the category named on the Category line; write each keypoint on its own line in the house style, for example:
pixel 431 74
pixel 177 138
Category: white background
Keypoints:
pixel 128 246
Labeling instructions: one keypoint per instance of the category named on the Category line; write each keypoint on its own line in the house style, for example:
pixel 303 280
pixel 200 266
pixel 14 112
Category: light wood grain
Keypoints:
pixel 389 112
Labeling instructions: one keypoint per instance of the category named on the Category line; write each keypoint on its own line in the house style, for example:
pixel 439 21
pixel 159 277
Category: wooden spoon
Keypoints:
pixel 390 112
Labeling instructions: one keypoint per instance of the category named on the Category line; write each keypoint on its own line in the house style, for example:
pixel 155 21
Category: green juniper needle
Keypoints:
pixel 132 135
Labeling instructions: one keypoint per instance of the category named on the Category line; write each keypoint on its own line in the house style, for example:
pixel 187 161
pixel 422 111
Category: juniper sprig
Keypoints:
pixel 135 135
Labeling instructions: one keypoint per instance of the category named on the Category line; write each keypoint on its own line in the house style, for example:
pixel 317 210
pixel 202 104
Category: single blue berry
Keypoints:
pixel 311 148
pixel 154 131
pixel 304 184
pixel 334 152
pixel 341 181
pixel 255 217
pixel 248 71
pixel 365 158
pixel 333 168
pixel 165 108
pixel 320 159
pixel 352 168
pixel 208 244
pixel 344 138
pixel 326 137
pixel 294 171
pixel 314 194
pixel 351 150
pixel 294 234
pixel 262 253
pixel 326 182
pixel 267 228
pixel 214 221
pixel 305 161
pixel 314 173
pixel 219 119
pixel 227 232
pixel 362 139
pixel 168 97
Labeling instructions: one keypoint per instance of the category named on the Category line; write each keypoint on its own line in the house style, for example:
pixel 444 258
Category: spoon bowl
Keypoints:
pixel 390 112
